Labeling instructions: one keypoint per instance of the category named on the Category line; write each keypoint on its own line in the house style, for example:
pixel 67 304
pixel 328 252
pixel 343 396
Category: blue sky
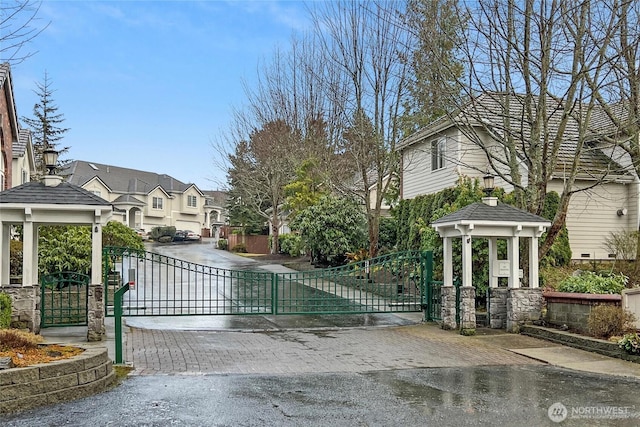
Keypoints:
pixel 150 84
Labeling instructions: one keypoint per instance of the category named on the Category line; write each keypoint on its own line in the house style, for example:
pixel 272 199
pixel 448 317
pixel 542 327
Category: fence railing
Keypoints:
pixel 166 286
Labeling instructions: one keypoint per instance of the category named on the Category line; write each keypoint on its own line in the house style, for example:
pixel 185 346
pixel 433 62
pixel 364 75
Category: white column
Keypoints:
pixel 493 258
pixel 126 217
pixel 28 266
pixel 533 263
pixel 5 247
pixel 513 249
pixel 448 261
pixel 96 250
pixel 467 266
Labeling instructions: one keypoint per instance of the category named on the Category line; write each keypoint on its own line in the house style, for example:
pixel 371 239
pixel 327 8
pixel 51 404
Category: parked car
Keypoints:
pixel 143 234
pixel 191 235
pixel 180 236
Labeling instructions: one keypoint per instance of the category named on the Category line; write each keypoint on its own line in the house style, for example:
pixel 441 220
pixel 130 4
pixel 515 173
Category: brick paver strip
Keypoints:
pixel 292 352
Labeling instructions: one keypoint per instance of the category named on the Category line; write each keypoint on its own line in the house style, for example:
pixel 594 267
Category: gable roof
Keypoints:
pixel 63 194
pixel 6 82
pixel 488 111
pixel 123 180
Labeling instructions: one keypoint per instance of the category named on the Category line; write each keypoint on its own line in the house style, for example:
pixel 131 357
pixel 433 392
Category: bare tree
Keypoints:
pixel 363 46
pixel 618 92
pixel 18 29
pixel 528 103
pixel 260 169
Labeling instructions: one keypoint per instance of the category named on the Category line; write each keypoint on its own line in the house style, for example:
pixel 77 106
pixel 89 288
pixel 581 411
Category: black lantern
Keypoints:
pixel 488 184
pixel 50 158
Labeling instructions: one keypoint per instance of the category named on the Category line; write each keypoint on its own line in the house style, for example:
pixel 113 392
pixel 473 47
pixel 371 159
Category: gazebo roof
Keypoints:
pixel 481 212
pixel 36 193
pixel 499 220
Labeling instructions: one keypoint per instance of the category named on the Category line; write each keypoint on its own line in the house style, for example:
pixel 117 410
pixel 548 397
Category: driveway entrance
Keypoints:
pixel 161 285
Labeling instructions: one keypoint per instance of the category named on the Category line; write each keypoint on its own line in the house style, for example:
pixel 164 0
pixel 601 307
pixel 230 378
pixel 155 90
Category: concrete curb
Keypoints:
pixel 47 383
pixel 594 345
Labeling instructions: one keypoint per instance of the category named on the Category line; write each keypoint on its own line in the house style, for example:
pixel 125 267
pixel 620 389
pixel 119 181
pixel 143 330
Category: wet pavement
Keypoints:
pixel 522 395
pixel 372 370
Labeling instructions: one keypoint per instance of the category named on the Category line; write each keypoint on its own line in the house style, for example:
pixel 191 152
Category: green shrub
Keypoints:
pixel 588 282
pixel 15 258
pixel 223 244
pixel 5 310
pixel 608 320
pixel 630 343
pixel 157 232
pixel 291 244
pixel 240 248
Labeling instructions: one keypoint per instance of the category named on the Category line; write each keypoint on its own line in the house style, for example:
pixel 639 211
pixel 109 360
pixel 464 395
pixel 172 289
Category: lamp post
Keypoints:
pixel 488 183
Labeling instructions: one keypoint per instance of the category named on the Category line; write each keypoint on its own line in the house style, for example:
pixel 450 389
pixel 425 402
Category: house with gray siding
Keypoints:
pixel 437 155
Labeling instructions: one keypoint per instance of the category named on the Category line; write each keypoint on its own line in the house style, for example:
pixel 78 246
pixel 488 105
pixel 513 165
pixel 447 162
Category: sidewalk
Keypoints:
pixel 296 344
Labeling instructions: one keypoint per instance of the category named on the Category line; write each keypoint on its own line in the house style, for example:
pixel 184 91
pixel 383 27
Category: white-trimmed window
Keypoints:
pixel 192 201
pixel 437 153
pixel 157 203
pixel 97 193
pixel 25 176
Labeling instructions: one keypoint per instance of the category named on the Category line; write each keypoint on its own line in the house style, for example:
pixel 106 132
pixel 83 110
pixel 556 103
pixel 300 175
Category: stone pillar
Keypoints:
pixel 498 307
pixel 448 307
pixel 523 305
pixel 25 307
pixel 95 313
pixel 467 310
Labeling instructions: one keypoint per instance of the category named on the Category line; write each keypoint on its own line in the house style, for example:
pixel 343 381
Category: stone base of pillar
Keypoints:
pixel 497 307
pixel 95 314
pixel 467 310
pixel 524 305
pixel 25 307
pixel 448 307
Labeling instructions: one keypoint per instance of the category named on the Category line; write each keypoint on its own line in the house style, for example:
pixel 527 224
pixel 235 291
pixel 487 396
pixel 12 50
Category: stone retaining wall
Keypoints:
pixel 573 309
pixel 44 384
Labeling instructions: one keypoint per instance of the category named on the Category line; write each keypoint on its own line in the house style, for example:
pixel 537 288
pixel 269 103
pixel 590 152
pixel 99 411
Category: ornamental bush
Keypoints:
pixel 608 320
pixel 5 310
pixel 588 282
pixel 630 343
pixel 331 228
pixel 291 244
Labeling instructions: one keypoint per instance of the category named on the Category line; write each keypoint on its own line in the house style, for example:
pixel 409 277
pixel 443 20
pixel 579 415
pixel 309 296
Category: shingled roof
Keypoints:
pixel 20 145
pixel 488 111
pixel 36 193
pixel 481 212
pixel 122 180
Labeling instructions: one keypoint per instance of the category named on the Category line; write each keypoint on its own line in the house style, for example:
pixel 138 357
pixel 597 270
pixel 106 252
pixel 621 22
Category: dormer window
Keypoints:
pixel 192 201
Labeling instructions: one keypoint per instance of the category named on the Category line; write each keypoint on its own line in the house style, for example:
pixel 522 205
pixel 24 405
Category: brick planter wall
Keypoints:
pixel 44 384
pixel 573 309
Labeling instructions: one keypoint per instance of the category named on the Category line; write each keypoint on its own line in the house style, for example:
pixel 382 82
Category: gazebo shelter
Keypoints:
pixel 50 202
pixel 490 220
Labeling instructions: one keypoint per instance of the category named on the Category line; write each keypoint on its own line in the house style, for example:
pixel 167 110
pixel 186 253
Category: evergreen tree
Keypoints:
pixel 45 126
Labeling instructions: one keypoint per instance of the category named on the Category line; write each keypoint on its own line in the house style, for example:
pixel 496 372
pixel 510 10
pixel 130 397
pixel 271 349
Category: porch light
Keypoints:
pixel 488 184
pixel 50 157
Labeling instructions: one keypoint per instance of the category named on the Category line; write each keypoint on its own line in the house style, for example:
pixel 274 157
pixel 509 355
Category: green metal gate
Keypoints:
pixel 63 299
pixel 166 286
